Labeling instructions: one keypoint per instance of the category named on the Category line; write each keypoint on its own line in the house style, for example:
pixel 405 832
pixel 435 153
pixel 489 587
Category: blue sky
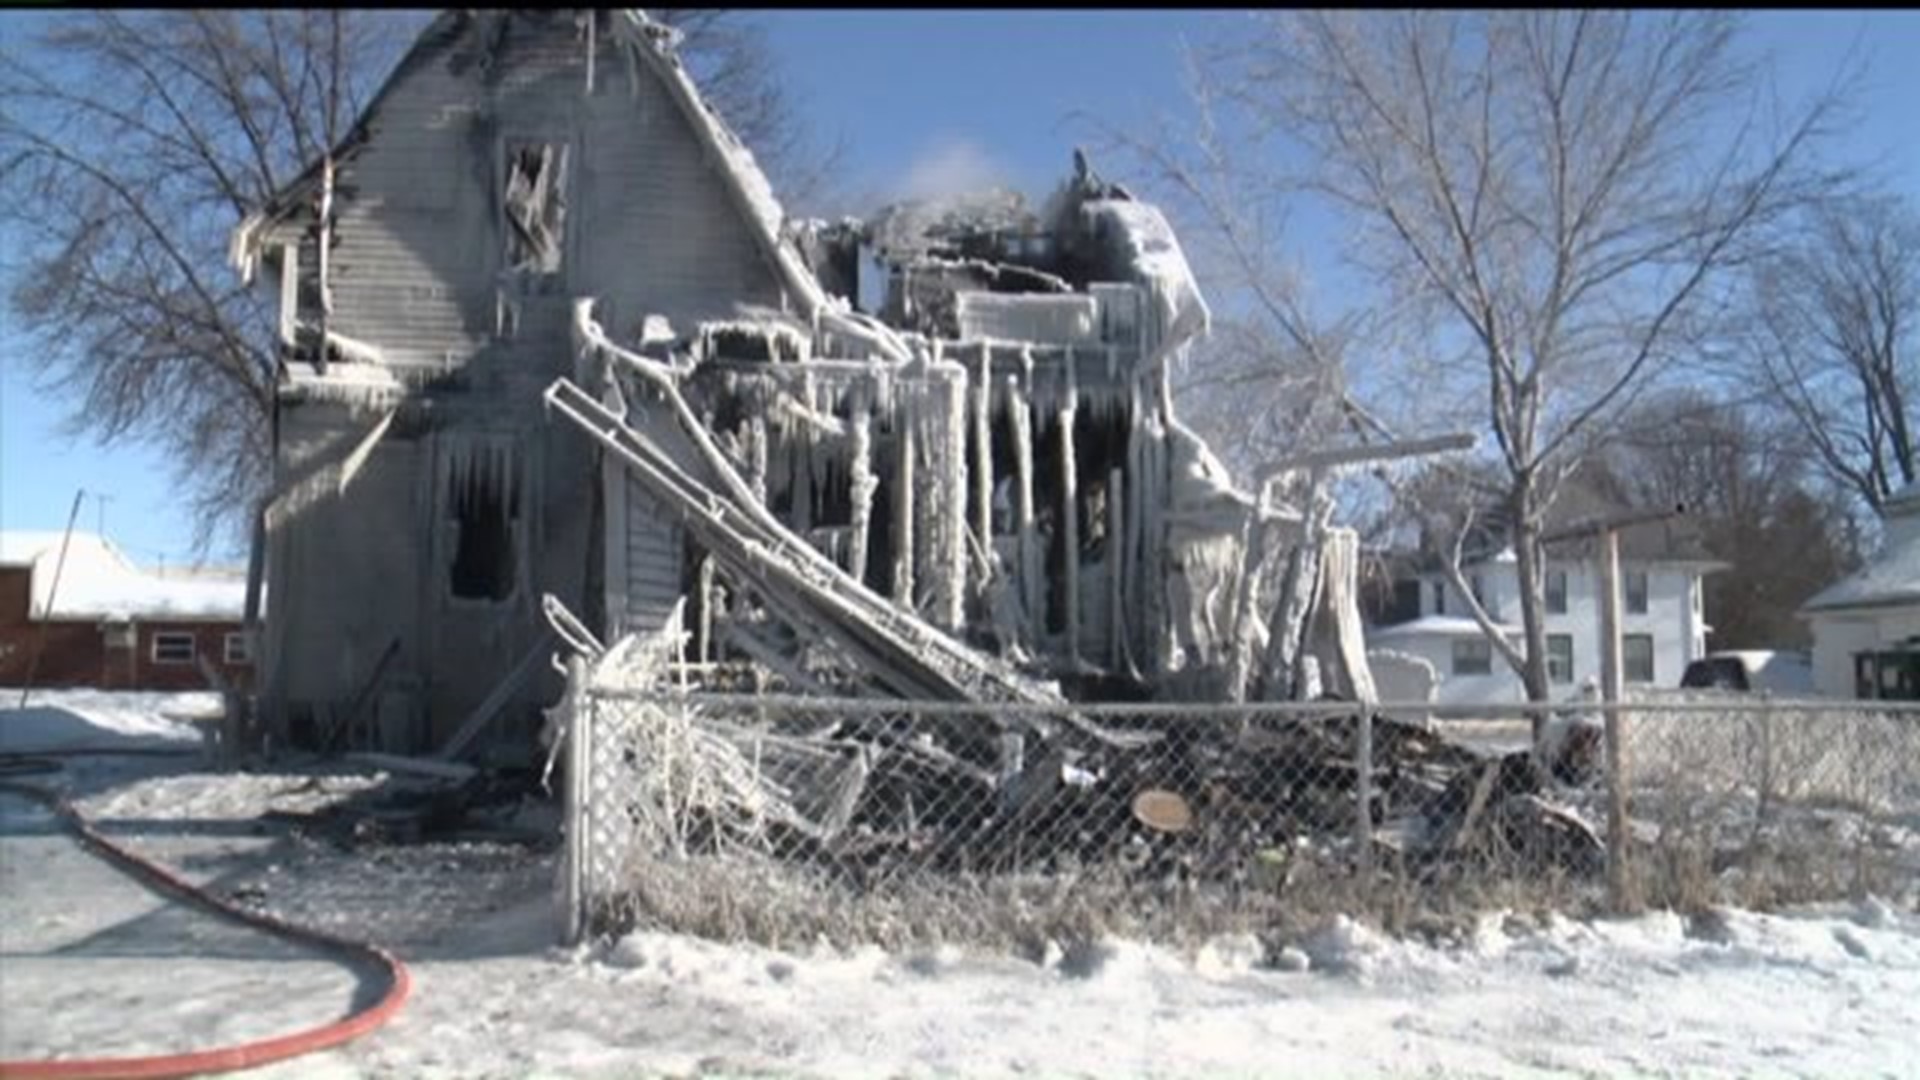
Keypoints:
pixel 928 100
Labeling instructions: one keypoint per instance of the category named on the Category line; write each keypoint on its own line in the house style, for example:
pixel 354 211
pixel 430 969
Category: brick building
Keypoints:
pixel 96 619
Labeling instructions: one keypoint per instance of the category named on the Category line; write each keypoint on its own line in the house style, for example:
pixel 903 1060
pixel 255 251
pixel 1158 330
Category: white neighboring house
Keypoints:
pixel 1662 624
pixel 1864 625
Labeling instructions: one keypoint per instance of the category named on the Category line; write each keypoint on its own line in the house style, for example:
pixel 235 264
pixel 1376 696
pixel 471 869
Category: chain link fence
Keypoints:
pixel 782 819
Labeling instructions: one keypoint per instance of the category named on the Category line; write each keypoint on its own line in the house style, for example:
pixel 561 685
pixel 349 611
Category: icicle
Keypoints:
pixel 1020 410
pixel 757 457
pixel 861 488
pixel 1070 511
pixel 903 532
pixel 950 556
pixel 983 456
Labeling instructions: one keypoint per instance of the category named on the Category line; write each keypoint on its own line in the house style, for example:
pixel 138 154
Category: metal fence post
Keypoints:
pixel 1612 691
pixel 1766 757
pixel 574 802
pixel 1363 789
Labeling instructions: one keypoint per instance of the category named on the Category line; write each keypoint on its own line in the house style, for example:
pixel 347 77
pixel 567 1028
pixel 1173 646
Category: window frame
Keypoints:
pixel 1480 665
pixel 1629 595
pixel 1556 600
pixel 227 643
pixel 173 637
pixel 1566 675
pixel 1439 598
pixel 1627 641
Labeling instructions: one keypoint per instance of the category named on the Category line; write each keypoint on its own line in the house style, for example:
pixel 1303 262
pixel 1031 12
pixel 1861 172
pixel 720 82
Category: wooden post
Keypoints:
pixel 704 653
pixel 1612 686
pixel 1070 512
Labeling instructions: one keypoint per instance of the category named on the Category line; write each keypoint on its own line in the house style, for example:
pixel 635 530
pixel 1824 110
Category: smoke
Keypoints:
pixel 951 165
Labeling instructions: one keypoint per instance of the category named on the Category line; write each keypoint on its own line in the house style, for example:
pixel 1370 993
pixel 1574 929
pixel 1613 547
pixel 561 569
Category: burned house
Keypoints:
pixel 554 355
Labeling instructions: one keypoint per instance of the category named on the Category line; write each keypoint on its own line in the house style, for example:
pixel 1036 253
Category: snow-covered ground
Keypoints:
pixel 96 965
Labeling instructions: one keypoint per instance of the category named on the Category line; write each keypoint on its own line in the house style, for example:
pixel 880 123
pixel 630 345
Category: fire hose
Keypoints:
pixel 220 1059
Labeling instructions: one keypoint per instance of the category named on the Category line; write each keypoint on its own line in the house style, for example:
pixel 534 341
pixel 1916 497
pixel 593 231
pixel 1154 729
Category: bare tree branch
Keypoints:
pixel 1573 190
pixel 131 143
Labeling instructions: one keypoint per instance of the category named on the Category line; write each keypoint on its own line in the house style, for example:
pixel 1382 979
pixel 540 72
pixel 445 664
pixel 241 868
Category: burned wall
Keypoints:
pixel 434 271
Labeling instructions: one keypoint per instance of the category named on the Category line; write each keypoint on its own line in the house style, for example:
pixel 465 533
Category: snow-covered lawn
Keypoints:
pixel 71 719
pixel 1833 991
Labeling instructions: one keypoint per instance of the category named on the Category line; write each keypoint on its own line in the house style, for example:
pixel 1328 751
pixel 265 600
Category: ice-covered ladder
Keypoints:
pixel 903 652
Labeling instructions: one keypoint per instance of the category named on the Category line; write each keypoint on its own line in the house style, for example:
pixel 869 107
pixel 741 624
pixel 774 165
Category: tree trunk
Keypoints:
pixel 1530 571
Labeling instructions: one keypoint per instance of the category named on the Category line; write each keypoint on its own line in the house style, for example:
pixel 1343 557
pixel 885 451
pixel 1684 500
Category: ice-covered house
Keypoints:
pixel 548 333
pixel 1663 625
pixel 1866 627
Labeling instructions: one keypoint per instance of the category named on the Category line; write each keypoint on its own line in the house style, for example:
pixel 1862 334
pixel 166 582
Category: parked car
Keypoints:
pixel 1753 670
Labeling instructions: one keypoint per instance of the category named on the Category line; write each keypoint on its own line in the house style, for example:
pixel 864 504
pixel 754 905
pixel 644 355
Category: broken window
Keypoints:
pixel 534 199
pixel 483 501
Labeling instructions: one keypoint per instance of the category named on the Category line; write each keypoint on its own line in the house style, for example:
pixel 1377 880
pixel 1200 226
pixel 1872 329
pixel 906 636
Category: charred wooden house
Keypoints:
pixel 552 346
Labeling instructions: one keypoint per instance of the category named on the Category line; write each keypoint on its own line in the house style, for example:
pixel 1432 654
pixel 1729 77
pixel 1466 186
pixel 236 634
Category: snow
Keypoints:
pixel 70 719
pixel 365 384
pixel 1820 991
pixel 98 581
pixel 1446 625
pixel 1891 578
pixel 1147 242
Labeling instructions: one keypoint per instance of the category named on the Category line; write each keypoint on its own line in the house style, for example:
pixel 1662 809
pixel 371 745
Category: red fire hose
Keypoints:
pixel 226 1058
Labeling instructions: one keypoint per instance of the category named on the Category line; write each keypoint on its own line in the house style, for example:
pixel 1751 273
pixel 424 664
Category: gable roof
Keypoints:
pixel 1891 579
pixel 653 45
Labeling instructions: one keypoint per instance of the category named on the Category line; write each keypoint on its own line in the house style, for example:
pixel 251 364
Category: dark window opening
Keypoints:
pixel 833 492
pixel 483 505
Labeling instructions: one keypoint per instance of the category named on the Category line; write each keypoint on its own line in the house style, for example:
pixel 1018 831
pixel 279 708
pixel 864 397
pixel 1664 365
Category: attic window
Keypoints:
pixel 535 202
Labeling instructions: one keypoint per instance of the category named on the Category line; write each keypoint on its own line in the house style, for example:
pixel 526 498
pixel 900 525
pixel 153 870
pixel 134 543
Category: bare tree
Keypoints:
pixel 1271 379
pixel 1555 195
pixel 1829 335
pixel 1757 499
pixel 130 145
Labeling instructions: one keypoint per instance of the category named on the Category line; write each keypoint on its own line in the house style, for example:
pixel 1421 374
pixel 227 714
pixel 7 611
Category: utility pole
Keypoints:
pixel 53 592
pixel 1606 533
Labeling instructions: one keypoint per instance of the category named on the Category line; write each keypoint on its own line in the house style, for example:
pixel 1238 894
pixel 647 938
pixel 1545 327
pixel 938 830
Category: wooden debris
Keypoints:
pixel 1162 811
